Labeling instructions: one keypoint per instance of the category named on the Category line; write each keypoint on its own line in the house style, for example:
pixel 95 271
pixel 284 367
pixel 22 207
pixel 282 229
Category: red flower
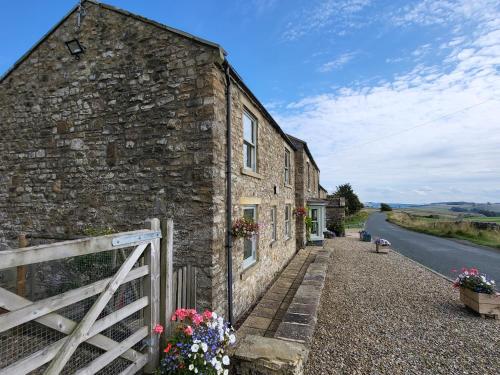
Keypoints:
pixel 167 349
pixel 158 329
pixel 207 314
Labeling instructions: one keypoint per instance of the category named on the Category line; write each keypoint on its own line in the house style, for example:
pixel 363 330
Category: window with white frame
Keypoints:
pixel 249 142
pixel 250 244
pixel 287 167
pixel 274 234
pixel 288 223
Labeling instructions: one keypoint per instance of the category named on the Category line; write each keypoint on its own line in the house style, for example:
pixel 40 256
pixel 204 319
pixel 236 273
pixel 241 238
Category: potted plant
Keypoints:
pixel 245 228
pixel 478 292
pixel 198 345
pixel 380 242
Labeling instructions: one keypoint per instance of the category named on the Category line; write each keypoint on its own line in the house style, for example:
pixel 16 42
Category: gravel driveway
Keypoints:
pixel 384 314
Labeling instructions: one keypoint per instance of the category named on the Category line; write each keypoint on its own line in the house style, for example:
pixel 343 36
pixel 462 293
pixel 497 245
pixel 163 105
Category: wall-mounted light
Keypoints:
pixel 75 48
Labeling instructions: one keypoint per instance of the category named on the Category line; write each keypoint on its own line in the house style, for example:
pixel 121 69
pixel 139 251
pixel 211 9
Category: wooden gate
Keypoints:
pixel 140 251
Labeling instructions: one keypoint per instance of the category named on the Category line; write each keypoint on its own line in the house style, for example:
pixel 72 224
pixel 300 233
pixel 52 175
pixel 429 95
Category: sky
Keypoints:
pixel 399 98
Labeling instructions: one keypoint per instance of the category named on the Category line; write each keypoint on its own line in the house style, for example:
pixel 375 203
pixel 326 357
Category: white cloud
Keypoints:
pixel 337 15
pixel 429 134
pixel 337 63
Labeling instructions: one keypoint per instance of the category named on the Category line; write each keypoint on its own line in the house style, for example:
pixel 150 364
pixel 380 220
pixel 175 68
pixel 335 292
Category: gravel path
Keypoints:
pixel 384 314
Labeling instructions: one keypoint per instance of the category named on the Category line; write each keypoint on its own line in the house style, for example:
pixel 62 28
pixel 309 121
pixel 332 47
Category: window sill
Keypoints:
pixel 249 172
pixel 247 270
pixel 288 186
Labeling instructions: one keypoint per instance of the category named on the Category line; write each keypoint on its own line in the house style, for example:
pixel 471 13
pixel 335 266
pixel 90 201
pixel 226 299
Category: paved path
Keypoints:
pixel 266 316
pixel 382 314
pixel 440 254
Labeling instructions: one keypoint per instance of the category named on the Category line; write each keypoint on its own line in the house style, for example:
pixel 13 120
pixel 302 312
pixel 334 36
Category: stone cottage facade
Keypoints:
pixel 137 126
pixel 308 193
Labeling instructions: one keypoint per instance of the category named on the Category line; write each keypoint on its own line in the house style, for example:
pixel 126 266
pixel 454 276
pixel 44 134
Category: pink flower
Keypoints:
pixel 207 314
pixel 158 329
pixel 197 319
pixel 188 331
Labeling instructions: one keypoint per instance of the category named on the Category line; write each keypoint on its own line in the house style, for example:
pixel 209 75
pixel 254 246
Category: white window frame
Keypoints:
pixel 288 222
pixel 274 231
pixel 287 166
pixel 247 262
pixel 250 143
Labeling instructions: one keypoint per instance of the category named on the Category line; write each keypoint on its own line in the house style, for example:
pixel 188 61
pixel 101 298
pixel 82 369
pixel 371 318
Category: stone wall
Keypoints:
pixel 335 212
pixel 265 189
pixel 123 134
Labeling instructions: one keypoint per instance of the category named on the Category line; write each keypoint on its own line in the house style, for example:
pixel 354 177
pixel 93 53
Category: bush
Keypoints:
pixel 385 207
pixel 338 228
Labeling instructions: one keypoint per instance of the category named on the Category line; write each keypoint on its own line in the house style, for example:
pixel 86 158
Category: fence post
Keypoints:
pixel 21 270
pixel 152 290
pixel 167 271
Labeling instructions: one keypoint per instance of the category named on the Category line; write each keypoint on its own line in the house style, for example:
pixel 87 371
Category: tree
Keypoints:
pixel 385 207
pixel 352 202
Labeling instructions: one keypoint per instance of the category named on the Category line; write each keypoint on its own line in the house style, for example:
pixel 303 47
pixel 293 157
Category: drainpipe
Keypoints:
pixel 229 202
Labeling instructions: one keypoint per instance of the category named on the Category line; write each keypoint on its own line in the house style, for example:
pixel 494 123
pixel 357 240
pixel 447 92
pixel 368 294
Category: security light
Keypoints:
pixel 75 48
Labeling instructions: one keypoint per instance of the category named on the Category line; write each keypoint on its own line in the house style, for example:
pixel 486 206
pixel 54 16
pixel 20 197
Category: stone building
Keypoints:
pixel 112 118
pixel 308 194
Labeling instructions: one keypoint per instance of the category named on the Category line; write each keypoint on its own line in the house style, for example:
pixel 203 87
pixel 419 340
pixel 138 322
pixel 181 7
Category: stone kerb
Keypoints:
pixel 300 319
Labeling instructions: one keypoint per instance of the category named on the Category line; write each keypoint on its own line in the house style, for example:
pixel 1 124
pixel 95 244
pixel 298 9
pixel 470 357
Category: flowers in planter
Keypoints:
pixel 473 280
pixel 198 344
pixel 382 242
pixel 300 212
pixel 245 228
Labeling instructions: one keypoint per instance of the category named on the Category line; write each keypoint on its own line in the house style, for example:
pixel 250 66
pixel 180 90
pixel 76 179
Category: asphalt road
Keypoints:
pixel 439 254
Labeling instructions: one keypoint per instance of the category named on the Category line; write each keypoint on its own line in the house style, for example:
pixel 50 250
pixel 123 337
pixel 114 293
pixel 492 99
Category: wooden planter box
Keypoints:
pixel 484 304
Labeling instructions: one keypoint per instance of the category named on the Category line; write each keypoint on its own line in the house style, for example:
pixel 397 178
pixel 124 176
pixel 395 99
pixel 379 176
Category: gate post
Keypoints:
pixel 152 290
pixel 167 271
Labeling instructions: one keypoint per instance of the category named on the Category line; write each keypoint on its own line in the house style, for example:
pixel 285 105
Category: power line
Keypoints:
pixel 416 126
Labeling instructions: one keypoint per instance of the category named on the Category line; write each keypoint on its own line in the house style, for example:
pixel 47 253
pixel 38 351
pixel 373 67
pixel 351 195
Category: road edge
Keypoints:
pixel 424 266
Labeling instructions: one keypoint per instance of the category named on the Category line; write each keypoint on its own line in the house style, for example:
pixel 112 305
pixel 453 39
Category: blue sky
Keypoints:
pixel 400 98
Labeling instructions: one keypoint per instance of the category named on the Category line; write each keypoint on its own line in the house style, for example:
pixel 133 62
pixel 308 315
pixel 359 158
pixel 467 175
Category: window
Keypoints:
pixel 287 167
pixel 314 221
pixel 288 228
pixel 308 176
pixel 249 142
pixel 250 244
pixel 274 235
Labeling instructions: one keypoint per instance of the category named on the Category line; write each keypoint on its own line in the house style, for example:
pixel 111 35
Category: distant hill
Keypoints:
pixel 393 205
pixel 457 206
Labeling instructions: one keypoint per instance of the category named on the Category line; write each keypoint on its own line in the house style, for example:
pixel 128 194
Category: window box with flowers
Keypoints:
pixel 478 292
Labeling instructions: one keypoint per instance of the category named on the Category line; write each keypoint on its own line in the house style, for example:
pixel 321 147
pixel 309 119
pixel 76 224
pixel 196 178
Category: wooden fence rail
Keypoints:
pixel 148 263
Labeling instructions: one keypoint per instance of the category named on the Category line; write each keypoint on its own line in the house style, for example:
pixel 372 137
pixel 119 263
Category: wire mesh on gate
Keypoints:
pixel 47 279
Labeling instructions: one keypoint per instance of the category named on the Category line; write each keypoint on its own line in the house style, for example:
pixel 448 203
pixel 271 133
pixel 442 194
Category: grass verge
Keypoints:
pixel 462 230
pixel 358 219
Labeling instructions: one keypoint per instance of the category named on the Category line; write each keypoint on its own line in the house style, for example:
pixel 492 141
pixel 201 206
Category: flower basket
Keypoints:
pixel 477 292
pixel 300 212
pixel 380 244
pixel 245 228
pixel 482 303
pixel 199 344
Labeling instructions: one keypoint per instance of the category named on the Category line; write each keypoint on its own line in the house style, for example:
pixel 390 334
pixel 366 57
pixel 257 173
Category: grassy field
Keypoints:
pixel 358 220
pixel 444 227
